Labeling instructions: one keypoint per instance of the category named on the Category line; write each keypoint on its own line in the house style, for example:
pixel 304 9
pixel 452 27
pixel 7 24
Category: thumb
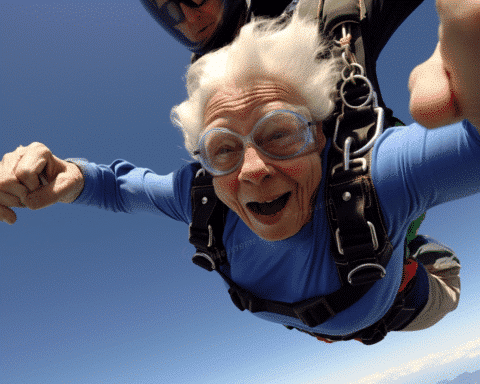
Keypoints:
pixel 65 188
pixel 432 102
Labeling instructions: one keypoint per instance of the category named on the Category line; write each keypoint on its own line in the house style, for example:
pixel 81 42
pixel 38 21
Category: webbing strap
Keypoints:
pixel 335 12
pixel 396 318
pixel 208 221
pixel 311 312
pixel 362 247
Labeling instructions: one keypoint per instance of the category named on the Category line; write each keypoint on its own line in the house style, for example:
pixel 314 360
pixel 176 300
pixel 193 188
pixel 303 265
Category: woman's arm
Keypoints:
pixel 33 177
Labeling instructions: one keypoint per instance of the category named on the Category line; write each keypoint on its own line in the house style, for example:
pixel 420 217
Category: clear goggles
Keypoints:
pixel 280 134
pixel 171 12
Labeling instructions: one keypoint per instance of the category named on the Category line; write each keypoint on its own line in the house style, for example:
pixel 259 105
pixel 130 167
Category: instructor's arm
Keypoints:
pixel 33 177
pixel 446 87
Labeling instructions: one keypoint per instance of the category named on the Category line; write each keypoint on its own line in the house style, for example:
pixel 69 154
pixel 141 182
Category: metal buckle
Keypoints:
pixel 201 259
pixel 361 160
pixel 210 234
pixel 378 131
pixel 200 172
pixel 352 80
pixel 372 232
pixel 364 266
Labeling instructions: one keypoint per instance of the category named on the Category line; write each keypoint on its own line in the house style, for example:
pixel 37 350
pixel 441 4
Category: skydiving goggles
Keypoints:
pixel 280 134
pixel 172 13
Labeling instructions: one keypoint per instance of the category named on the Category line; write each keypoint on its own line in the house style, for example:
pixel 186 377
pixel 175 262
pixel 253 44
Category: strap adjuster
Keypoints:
pixel 244 300
pixel 314 313
pixel 204 260
pixel 372 232
pixel 200 233
pixel 361 161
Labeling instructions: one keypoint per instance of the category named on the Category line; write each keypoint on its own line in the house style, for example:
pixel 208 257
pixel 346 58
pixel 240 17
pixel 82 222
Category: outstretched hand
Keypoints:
pixel 445 88
pixel 33 177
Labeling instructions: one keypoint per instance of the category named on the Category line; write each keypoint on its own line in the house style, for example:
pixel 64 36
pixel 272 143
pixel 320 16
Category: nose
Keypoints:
pixel 254 169
pixel 191 14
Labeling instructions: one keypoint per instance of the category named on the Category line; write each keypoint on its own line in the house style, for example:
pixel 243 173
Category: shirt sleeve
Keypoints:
pixel 123 187
pixel 415 169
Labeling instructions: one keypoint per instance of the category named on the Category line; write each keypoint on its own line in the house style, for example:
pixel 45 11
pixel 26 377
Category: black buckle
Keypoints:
pixel 373 233
pixel 200 236
pixel 374 334
pixel 204 260
pixel 314 313
pixel 244 300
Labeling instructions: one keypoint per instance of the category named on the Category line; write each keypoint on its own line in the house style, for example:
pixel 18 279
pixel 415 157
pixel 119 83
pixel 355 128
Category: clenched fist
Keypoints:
pixel 33 177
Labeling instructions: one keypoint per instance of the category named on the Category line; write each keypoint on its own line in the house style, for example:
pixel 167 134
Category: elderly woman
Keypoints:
pixel 253 119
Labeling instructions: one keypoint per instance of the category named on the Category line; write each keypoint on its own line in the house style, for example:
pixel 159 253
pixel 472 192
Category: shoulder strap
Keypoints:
pixel 362 248
pixel 208 220
pixel 337 15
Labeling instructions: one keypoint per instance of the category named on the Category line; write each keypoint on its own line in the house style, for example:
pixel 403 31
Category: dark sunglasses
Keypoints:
pixel 171 12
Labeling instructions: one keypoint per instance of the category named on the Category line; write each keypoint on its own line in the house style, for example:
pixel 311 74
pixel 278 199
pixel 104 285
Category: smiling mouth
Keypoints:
pixel 271 207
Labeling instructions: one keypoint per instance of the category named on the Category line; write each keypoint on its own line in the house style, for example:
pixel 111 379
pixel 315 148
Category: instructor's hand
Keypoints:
pixel 445 88
pixel 33 177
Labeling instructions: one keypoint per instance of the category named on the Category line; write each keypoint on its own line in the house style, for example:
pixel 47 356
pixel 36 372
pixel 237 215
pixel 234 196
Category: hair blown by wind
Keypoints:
pixel 289 51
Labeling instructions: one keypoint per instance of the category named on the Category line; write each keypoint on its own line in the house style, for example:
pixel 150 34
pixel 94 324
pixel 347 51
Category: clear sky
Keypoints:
pixel 88 296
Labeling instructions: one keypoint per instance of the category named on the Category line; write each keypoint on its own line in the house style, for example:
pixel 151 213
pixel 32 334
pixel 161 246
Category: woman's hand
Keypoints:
pixel 33 177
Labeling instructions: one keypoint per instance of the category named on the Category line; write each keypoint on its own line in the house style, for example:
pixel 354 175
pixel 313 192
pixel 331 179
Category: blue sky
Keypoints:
pixel 88 296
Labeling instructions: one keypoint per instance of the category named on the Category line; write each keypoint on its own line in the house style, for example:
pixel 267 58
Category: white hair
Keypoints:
pixel 292 52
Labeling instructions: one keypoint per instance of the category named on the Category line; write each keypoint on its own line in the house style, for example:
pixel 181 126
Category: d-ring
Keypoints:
pixel 370 93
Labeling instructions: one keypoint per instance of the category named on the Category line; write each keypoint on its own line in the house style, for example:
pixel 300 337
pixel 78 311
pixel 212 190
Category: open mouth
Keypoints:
pixel 271 207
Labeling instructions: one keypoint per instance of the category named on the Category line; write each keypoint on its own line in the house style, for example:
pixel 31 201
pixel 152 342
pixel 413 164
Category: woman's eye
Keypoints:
pixel 224 151
pixel 278 135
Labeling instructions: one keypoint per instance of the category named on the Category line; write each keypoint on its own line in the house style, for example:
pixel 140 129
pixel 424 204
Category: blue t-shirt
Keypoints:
pixel 413 169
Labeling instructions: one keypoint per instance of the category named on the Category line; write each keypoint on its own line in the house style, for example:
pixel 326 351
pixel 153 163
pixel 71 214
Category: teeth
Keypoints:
pixel 269 201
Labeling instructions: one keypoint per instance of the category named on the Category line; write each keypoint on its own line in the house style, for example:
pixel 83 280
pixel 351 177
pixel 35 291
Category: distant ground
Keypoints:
pixel 464 378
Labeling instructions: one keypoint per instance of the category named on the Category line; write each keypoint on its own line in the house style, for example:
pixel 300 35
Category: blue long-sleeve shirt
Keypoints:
pixel 413 169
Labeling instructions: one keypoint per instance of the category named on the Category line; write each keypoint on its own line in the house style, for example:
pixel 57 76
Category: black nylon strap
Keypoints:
pixel 311 312
pixel 397 316
pixel 208 221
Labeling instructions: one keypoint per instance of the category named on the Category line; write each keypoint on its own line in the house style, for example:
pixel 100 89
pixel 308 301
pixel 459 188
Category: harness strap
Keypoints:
pixel 397 316
pixel 311 312
pixel 208 220
pixel 362 248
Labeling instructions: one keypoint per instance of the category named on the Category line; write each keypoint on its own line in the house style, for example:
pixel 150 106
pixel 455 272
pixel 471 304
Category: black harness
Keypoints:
pixel 360 245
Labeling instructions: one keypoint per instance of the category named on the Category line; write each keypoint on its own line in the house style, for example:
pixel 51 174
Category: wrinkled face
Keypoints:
pixel 273 197
pixel 200 23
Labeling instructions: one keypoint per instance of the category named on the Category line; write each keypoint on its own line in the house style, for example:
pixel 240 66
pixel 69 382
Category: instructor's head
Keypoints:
pixel 200 25
pixel 254 120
